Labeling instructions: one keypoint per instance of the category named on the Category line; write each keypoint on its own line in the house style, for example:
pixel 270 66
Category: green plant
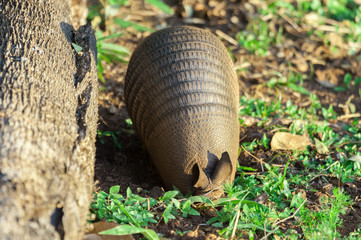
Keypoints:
pixel 113 135
pixel 258 37
pixel 342 12
pixel 161 5
pixel 130 210
pixel 181 207
pixel 105 14
pixel 328 113
pixel 139 211
pixel 125 24
pixel 354 235
pixel 250 146
pixel 259 108
pixel 347 80
pixel 291 82
pixel 323 223
pixel 275 183
pixel 240 214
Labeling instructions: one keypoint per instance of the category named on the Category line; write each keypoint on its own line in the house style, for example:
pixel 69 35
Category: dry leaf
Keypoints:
pixel 300 62
pixel 312 19
pixel 355 158
pixel 325 84
pixel 102 226
pixel 92 236
pixel 288 141
pixel 331 75
pixel 320 147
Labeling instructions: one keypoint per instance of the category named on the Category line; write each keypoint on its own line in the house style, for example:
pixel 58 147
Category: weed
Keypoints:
pixel 113 135
pixel 323 224
pixel 139 211
pixel 104 14
pixel 354 235
pixel 125 24
pixel 348 82
pixel 161 5
pixel 290 82
pixel 132 209
pixel 258 37
pixel 258 108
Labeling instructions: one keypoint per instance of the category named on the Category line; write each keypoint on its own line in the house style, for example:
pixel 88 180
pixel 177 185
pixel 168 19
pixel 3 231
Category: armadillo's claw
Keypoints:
pixel 212 187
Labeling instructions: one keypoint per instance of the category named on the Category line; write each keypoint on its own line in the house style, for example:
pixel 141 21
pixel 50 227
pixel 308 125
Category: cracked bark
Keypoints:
pixel 47 121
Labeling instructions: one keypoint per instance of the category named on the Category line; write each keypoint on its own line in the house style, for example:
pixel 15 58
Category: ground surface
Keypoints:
pixel 130 165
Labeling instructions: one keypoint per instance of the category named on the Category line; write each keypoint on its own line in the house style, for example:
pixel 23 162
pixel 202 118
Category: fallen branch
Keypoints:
pixel 283 220
pixel 251 121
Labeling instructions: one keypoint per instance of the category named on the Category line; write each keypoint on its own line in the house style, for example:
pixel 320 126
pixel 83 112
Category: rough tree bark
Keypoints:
pixel 48 116
pixel 79 12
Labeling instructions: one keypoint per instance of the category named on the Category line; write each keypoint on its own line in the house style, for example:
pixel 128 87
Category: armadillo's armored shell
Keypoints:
pixel 182 95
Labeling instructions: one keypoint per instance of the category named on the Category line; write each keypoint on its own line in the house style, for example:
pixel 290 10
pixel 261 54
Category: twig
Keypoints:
pixel 322 175
pixel 265 228
pixel 326 28
pixel 251 173
pixel 293 215
pixel 249 121
pixel 291 22
pixel 227 37
pixel 259 160
pixel 243 138
pixel 331 165
pixel 235 226
pixel 283 220
pixel 343 144
pixel 347 116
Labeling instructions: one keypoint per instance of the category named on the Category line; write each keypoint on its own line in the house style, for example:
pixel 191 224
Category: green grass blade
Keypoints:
pixel 126 212
pixel 116 35
pixel 124 24
pixel 161 5
pixel 115 48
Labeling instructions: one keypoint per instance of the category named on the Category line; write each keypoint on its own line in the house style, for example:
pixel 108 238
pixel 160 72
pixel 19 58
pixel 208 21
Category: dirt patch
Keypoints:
pixel 192 227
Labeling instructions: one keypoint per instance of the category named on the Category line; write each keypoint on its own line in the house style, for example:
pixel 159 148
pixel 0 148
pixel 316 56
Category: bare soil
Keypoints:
pixel 130 165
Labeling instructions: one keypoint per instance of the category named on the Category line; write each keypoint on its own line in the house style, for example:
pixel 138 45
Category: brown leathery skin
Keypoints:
pixel 182 95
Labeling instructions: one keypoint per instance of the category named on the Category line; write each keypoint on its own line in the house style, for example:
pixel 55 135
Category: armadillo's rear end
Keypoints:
pixel 182 95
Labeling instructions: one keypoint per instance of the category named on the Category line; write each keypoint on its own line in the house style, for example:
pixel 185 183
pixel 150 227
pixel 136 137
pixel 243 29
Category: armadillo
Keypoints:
pixel 182 94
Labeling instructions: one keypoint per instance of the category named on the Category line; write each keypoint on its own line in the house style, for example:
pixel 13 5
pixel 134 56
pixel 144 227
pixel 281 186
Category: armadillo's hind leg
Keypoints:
pixel 210 184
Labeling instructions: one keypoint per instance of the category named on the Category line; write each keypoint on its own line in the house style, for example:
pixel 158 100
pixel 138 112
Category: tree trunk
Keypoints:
pixel 48 116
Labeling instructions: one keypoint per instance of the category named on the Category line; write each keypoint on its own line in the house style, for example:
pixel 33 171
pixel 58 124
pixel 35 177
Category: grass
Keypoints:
pixel 113 135
pixel 323 223
pixel 259 37
pixel 138 211
pixel 272 203
pixel 280 185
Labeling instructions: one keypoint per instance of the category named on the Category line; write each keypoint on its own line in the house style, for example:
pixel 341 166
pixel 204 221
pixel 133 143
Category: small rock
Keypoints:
pixel 113 109
pixel 210 212
pixel 192 234
pixel 211 236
